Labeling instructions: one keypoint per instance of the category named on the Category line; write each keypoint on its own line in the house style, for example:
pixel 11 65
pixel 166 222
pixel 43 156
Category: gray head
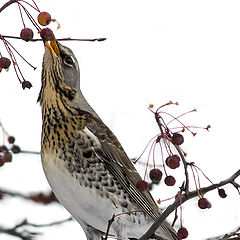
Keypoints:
pixel 61 77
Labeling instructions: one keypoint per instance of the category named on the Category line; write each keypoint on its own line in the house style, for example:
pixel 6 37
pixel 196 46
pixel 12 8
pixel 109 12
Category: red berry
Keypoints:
pixel 44 18
pixel 1 161
pixel 15 149
pixel 142 185
pixel 26 34
pixel 46 34
pixel 203 203
pixel 7 157
pixel 222 193
pixel 3 148
pixel 11 139
pixel 155 175
pixel 177 139
pixel 4 62
pixel 173 161
pixel 169 180
pixel 182 233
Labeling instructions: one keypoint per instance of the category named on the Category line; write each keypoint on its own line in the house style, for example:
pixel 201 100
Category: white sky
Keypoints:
pixel 156 51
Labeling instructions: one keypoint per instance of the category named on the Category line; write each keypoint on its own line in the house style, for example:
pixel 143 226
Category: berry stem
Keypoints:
pixel 36 7
pixel 185 165
pixel 203 173
pixel 20 54
pixel 152 146
pixel 164 167
pixel 144 150
pixel 19 7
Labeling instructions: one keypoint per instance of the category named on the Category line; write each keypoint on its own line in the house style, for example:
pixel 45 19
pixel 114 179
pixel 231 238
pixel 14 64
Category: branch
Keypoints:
pixel 27 235
pixel 185 197
pixel 61 39
pixel 234 235
pixel 7 4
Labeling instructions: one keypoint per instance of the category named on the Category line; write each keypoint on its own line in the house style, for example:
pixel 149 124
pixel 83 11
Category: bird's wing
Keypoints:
pixel 118 163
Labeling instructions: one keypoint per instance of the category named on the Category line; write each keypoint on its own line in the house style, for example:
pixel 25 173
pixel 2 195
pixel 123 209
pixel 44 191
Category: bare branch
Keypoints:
pixel 234 235
pixel 185 197
pixel 61 39
pixel 7 4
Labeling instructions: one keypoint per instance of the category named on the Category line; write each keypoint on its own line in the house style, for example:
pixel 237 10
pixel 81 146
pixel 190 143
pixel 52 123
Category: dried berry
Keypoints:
pixel 46 34
pixel 169 180
pixel 15 149
pixel 203 203
pixel 182 233
pixel 222 193
pixel 44 18
pixel 11 139
pixel 26 34
pixel 142 185
pixel 26 84
pixel 173 161
pixel 177 139
pixel 4 62
pixel 155 175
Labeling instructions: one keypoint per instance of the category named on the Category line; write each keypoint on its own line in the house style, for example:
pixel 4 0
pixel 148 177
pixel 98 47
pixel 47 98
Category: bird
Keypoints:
pixel 86 166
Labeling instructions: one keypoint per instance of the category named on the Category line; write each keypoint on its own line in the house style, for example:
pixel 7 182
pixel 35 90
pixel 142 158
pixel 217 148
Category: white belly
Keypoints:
pixel 86 204
pixel 83 203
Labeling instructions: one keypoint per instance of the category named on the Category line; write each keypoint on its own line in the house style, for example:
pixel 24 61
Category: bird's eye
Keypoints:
pixel 68 60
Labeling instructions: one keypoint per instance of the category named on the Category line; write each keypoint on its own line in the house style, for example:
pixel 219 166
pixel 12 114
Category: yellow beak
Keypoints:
pixel 53 47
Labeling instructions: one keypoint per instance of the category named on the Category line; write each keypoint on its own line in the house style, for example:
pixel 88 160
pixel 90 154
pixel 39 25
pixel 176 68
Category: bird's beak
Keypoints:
pixel 53 47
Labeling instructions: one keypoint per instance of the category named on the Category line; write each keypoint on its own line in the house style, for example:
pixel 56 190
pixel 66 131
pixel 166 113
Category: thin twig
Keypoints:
pixel 61 39
pixel 7 4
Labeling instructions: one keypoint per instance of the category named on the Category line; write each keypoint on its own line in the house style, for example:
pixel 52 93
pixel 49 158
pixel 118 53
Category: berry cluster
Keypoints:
pixel 173 157
pixel 6 152
pixel 26 34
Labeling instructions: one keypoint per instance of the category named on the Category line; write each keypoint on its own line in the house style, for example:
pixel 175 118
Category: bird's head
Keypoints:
pixel 61 77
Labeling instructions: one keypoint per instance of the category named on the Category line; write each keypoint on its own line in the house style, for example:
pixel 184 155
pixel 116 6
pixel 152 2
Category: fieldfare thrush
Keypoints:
pixel 85 165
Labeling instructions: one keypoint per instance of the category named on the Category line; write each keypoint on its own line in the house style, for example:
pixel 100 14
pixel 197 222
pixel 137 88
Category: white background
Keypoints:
pixel 156 51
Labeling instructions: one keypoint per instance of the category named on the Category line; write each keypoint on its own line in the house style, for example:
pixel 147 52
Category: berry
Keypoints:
pixel 173 161
pixel 7 157
pixel 177 139
pixel 203 203
pixel 1 161
pixel 155 175
pixel 15 149
pixel 142 185
pixel 11 139
pixel 4 62
pixel 222 193
pixel 46 34
pixel 44 18
pixel 26 84
pixel 3 148
pixel 169 180
pixel 26 34
pixel 182 233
